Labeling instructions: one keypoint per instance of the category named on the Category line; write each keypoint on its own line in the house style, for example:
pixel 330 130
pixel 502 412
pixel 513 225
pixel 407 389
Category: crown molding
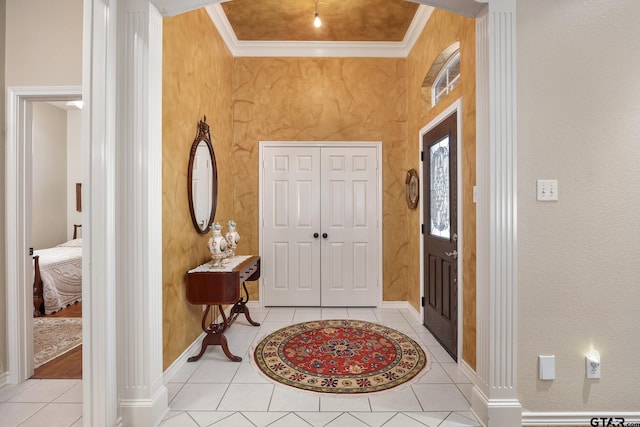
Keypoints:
pixel 176 7
pixel 468 8
pixel 318 49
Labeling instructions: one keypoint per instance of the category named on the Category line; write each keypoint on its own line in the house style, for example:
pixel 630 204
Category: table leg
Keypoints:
pixel 215 336
pixel 241 307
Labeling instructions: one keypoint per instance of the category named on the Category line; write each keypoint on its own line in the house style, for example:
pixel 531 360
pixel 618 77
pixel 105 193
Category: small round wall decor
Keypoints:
pixel 412 184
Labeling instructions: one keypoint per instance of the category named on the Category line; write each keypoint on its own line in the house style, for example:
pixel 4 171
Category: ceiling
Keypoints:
pixel 350 28
pixel 342 20
pixel 468 8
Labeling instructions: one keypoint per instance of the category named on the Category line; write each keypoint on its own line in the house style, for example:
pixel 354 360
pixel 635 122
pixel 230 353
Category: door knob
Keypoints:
pixel 325 235
pixel 453 254
pixel 316 235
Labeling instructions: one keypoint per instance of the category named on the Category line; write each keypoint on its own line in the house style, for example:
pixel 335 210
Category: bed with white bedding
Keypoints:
pixel 57 277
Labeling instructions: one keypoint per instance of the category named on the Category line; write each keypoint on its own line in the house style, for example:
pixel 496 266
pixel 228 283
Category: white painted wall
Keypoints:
pixel 579 122
pixel 44 42
pixel 74 168
pixel 49 202
pixel 40 45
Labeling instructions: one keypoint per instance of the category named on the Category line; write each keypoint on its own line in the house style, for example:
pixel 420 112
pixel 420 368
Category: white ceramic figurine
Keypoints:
pixel 232 237
pixel 217 245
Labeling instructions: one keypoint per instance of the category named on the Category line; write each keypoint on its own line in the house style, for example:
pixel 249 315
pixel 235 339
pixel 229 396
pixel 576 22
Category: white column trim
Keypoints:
pixel 503 198
pixel 482 202
pixel 142 394
pixel 494 397
pixel 100 403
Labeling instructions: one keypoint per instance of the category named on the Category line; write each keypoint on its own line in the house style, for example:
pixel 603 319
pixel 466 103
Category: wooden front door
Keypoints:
pixel 441 233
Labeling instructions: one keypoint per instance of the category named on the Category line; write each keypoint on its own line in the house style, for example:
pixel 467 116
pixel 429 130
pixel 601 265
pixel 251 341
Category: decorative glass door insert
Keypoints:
pixel 440 222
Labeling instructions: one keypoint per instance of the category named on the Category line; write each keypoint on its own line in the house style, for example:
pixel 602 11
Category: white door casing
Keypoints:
pixel 18 222
pixel 309 191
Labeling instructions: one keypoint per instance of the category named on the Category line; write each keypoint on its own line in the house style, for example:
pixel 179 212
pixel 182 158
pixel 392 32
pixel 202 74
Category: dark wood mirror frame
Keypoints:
pixel 203 135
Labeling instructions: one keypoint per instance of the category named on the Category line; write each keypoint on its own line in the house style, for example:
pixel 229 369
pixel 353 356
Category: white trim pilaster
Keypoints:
pixel 142 394
pixel 494 398
pixel 100 400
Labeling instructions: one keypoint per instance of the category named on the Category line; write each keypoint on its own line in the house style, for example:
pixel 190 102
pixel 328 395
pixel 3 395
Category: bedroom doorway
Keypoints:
pixel 56 234
pixel 19 208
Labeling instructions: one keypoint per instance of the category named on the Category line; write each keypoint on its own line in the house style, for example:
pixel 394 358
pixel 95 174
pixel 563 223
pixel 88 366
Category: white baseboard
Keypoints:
pixel 145 412
pixel 495 412
pixel 394 304
pixel 468 371
pixel 403 304
pixel 254 304
pixel 4 378
pixel 195 346
pixel 578 418
pixel 177 364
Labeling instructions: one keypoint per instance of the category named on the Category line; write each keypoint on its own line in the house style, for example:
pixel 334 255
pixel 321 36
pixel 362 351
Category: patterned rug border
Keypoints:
pixel 408 383
pixel 47 354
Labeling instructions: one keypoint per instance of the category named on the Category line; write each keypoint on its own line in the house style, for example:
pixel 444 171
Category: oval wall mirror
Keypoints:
pixel 202 181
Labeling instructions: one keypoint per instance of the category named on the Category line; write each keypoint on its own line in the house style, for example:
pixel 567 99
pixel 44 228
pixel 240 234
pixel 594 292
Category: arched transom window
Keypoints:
pixel 443 76
pixel 448 78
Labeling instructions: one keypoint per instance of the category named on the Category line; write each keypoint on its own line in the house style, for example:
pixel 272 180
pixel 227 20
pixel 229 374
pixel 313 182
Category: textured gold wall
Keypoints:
pixel 443 29
pixel 247 100
pixel 197 74
pixel 324 99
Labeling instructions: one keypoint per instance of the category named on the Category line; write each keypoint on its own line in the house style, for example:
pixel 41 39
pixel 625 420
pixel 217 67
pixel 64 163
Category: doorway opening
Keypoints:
pixel 19 208
pixel 57 238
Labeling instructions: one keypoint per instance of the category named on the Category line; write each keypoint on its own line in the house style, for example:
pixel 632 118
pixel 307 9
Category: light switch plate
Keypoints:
pixel 547 367
pixel 547 190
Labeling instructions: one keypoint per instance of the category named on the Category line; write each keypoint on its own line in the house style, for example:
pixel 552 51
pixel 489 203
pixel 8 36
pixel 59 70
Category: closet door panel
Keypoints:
pixel 291 216
pixel 349 219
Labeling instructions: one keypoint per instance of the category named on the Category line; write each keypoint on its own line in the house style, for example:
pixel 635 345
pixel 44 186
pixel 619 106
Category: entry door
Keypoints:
pixel 320 226
pixel 441 233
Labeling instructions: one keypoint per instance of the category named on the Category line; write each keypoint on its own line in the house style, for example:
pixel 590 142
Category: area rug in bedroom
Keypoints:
pixel 54 336
pixel 340 357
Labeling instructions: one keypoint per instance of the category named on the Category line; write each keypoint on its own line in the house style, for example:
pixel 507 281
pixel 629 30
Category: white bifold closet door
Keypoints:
pixel 320 226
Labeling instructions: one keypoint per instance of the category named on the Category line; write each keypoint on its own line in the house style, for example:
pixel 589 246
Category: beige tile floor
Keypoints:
pixel 217 392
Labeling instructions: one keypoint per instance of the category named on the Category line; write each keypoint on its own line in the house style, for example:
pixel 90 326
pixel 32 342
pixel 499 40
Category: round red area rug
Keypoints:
pixel 340 356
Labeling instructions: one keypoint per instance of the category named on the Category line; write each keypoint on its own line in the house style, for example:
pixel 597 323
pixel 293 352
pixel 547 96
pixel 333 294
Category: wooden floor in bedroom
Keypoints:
pixel 69 365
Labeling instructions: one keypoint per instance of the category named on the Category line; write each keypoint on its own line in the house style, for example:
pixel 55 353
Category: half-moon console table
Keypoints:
pixel 208 285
